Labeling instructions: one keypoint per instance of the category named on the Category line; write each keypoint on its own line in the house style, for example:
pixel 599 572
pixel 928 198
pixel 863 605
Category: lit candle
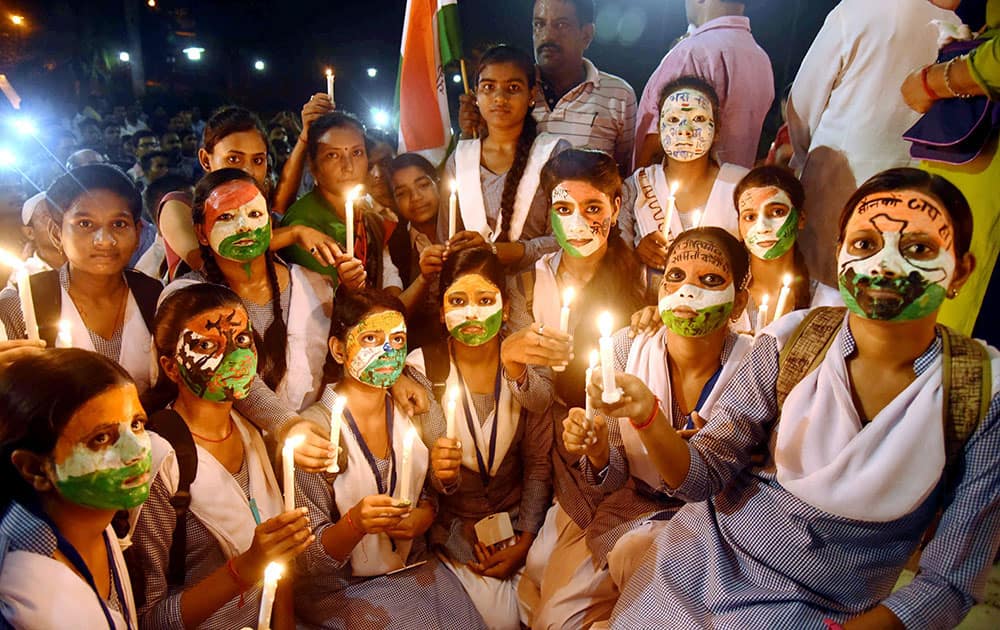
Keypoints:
pixel 288 463
pixel 696 219
pixel 762 314
pixel 405 466
pixel 329 85
pixel 449 412
pixel 336 419
pixel 349 217
pixel 22 277
pixel 671 207
pixel 594 359
pixel 783 295
pixel 611 393
pixel 271 576
pixel 568 295
pixel 453 210
pixel 65 337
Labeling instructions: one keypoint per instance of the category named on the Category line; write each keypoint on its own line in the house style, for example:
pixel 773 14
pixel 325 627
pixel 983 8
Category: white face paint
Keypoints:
pixel 687 126
pixel 762 235
pixel 85 461
pixel 697 298
pixel 581 221
pixel 890 261
pixel 559 193
pixel 458 316
pixel 249 220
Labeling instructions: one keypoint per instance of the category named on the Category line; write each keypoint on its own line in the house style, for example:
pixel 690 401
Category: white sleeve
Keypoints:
pixel 390 274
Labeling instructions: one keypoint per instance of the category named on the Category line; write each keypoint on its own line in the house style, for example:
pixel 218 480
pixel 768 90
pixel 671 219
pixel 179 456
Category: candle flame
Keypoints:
pixel 605 323
pixel 10 260
pixel 273 572
pixel 65 327
pixel 454 186
pixel 452 395
pixel 339 405
pixel 355 192
pixel 674 185
pixel 568 296
pixel 767 298
pixel 787 280
pixel 294 442
pixel 329 72
pixel 595 358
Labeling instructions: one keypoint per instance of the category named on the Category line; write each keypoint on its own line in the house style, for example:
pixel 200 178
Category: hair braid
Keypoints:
pixel 524 142
pixel 276 336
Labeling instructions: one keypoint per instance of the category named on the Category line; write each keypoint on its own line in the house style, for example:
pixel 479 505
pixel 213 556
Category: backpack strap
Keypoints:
pixel 807 347
pixel 437 363
pixel 146 291
pixel 169 425
pixel 46 295
pixel 966 378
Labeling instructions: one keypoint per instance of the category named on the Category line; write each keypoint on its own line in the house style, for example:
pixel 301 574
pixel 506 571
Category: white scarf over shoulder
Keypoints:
pixel 468 157
pixel 654 194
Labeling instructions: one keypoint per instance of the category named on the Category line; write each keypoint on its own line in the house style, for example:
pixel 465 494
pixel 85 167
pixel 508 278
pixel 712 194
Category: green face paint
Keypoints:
pixel 476 332
pixel 215 355
pixel 101 479
pixel 385 370
pixel 246 246
pixel 711 310
pixel 237 222
pixel 473 309
pixel 897 299
pixel 376 349
pixel 768 237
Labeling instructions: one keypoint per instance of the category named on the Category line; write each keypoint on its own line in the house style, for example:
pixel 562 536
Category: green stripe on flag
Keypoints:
pixel 449 34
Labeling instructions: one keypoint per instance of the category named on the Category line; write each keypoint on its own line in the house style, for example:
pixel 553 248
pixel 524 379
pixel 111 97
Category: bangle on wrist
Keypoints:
pixel 832 625
pixel 350 521
pixel 931 94
pixel 947 79
pixel 240 582
pixel 652 416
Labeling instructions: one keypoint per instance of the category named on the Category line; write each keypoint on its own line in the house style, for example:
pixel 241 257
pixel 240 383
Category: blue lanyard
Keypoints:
pixel 367 452
pixel 484 470
pixel 705 392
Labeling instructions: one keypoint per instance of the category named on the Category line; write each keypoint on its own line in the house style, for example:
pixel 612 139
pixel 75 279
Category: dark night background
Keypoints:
pixel 67 50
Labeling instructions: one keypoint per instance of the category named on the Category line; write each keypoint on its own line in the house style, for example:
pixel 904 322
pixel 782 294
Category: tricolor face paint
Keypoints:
pixel 581 217
pixel 687 125
pixel 376 349
pixel 769 223
pixel 473 309
pixel 236 221
pixel 898 256
pixel 103 457
pixel 697 295
pixel 215 355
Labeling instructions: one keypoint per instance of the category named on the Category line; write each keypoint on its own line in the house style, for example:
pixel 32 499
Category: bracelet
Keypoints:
pixel 244 586
pixel 350 521
pixel 832 625
pixel 652 416
pixel 927 86
pixel 947 79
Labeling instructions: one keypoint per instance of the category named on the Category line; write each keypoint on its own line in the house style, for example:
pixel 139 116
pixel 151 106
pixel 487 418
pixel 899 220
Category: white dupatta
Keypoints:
pixel 310 305
pixel 468 157
pixel 654 194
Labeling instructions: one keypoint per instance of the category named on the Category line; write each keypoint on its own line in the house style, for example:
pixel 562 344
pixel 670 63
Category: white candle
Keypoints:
pixel 336 419
pixel 288 463
pixel 453 210
pixel 349 217
pixel 783 295
pixel 449 412
pixel 611 393
pixel 671 208
pixel 22 277
pixel 65 337
pixel 762 314
pixel 568 295
pixel 271 576
pixel 405 466
pixel 329 85
pixel 594 359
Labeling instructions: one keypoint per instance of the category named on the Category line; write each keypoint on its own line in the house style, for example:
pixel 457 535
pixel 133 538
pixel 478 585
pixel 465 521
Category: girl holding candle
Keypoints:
pixel 584 192
pixel 235 525
pixel 497 460
pixel 689 180
pixel 500 202
pixel 73 451
pixel 856 463
pixel 95 210
pixel 687 364
pixel 338 160
pixel 768 203
pixel 370 528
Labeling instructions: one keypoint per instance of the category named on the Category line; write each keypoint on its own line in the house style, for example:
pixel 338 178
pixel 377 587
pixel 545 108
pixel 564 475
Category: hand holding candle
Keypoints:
pixel 568 295
pixel 336 419
pixel 288 468
pixel 352 197
pixel 453 210
pixel 610 394
pixel 783 297
pixel 272 574
pixel 23 279
pixel 451 405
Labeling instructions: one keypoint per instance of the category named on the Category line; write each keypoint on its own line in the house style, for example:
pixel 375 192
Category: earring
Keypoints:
pixel 952 293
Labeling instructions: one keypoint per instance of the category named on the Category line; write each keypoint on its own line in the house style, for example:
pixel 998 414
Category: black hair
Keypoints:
pixel 771 175
pixel 584 10
pixel 739 258
pixel 691 82
pixel 326 122
pixel 88 122
pixel 38 396
pixel 110 123
pixel 147 160
pixel 144 133
pixel 155 191
pixel 275 339
pixel 171 315
pixel 229 120
pixel 917 180
pixel 523 61
pixel 64 192
pixel 349 308
pixel 479 260
pixel 408 160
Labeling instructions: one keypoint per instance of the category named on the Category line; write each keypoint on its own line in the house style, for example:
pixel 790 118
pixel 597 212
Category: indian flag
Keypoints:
pixel 431 40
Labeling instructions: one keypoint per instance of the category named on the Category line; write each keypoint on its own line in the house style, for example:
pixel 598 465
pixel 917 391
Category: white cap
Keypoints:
pixel 31 206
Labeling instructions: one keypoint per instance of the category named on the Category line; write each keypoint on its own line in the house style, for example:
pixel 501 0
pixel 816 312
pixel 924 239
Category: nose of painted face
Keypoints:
pixel 115 478
pixel 381 365
pixel 693 311
pixel 687 125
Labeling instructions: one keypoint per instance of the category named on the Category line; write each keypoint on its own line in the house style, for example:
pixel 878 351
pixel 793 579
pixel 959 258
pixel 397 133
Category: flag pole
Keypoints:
pixel 465 85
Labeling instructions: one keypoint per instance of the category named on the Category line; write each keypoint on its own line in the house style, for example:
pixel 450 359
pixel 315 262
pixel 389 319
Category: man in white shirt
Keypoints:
pixel 846 116
pixel 574 100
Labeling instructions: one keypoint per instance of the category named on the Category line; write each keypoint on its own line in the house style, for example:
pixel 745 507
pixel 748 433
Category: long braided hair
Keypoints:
pixel 523 61
pixel 274 340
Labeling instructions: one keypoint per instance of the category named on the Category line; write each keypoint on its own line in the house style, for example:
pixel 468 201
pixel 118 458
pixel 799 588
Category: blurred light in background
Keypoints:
pixel 17 20
pixel 24 125
pixel 7 157
pixel 193 53
pixel 372 72
pixel 124 57
pixel 456 78
pixel 259 65
pixel 380 118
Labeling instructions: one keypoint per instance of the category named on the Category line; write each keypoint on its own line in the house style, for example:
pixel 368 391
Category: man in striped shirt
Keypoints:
pixel 574 100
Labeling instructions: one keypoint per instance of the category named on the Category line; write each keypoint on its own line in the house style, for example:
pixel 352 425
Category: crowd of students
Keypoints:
pixel 477 445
